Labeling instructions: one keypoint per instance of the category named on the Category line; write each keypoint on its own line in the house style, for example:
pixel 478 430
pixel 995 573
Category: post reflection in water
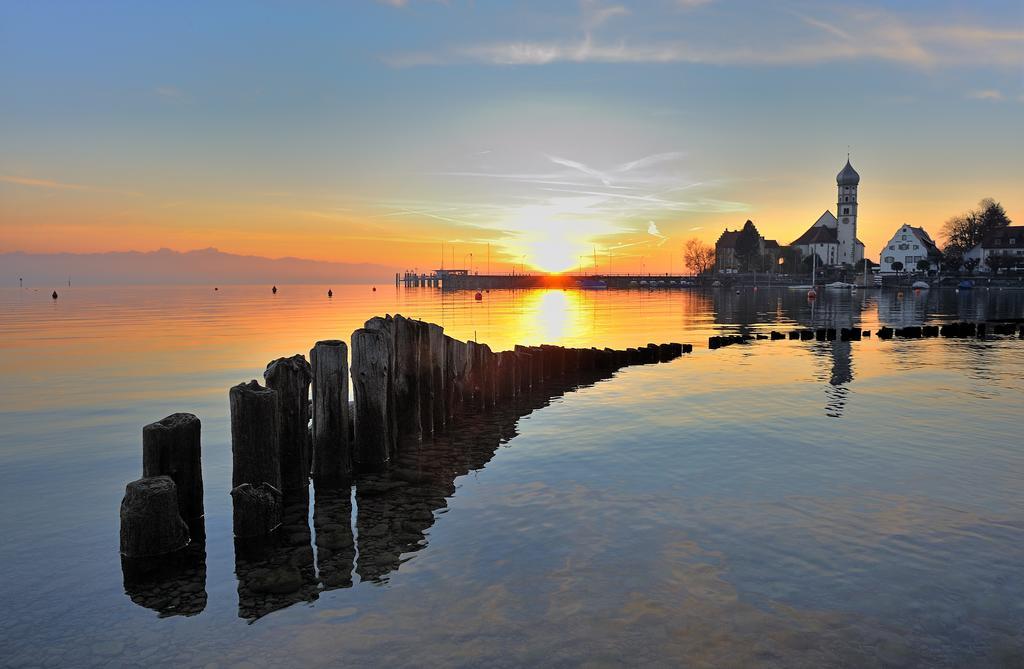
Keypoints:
pixel 394 511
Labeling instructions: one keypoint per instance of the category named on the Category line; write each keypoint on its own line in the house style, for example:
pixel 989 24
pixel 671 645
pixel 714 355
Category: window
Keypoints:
pixel 890 259
pixel 846 210
pixel 892 248
pixel 1013 240
pixel 916 247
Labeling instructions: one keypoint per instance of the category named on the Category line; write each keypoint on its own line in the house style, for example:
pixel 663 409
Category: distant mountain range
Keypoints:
pixel 176 267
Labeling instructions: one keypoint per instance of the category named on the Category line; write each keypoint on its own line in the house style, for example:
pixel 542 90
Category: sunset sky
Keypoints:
pixel 378 131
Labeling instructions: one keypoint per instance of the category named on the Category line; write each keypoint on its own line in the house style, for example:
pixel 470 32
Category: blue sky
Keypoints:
pixel 546 128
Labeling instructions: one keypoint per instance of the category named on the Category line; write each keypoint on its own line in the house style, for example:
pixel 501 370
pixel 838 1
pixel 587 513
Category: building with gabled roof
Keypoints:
pixel 909 246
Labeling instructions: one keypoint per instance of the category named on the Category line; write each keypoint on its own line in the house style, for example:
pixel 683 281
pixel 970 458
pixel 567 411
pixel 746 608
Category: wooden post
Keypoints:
pixel 387 325
pixel 291 377
pixel 438 375
pixel 507 384
pixel 332 452
pixel 375 443
pixel 150 522
pixel 171 447
pixel 255 440
pixel 455 375
pixel 425 377
pixel 256 509
pixel 406 374
pixel 524 367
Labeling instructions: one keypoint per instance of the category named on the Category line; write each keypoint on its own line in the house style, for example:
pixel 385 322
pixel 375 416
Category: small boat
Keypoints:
pixel 839 285
pixel 965 285
pixel 716 284
pixel 920 285
pixel 592 284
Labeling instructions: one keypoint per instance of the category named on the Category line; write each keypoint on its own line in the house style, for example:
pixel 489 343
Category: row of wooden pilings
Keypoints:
pixel 410 380
pixel 949 330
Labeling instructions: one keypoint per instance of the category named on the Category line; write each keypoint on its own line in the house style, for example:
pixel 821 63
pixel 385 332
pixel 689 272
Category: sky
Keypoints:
pixel 497 135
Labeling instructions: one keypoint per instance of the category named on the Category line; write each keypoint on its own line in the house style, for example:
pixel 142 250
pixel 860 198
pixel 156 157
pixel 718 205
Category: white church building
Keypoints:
pixel 835 239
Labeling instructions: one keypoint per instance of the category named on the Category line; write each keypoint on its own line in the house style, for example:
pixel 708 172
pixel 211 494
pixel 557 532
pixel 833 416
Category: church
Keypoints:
pixel 833 239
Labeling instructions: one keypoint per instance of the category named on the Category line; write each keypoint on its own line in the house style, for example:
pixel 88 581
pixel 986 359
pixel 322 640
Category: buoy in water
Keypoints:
pixel 330 293
pixel 812 294
pixel 274 290
pixel 478 296
pixel 375 289
pixel 899 294
pixel 55 295
pixel 215 288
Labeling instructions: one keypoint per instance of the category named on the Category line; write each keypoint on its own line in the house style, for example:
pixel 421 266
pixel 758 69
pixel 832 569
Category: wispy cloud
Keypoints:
pixel 171 94
pixel 33 182
pixel 41 183
pixel 848 35
pixel 990 94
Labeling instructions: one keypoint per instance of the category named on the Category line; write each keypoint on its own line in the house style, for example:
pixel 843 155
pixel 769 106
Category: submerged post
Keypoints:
pixel 255 440
pixel 150 522
pixel 332 452
pixel 291 377
pixel 375 443
pixel 171 447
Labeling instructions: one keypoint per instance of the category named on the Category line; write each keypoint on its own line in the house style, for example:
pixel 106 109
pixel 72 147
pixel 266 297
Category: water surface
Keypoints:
pixel 778 504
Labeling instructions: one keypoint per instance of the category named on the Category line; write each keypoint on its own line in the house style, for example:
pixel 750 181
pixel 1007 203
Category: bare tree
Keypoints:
pixel 965 231
pixel 698 256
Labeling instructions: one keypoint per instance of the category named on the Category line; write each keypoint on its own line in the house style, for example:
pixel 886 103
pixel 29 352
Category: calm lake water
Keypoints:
pixel 777 504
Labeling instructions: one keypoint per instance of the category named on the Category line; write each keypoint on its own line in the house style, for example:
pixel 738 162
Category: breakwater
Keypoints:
pixel 414 388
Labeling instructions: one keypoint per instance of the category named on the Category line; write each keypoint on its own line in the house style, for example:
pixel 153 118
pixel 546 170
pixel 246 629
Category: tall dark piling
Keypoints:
pixel 438 375
pixel 255 435
pixel 524 371
pixel 150 521
pixel 508 386
pixel 291 378
pixel 406 374
pixel 375 442
pixel 386 324
pixel 171 447
pixel 426 377
pixel 332 451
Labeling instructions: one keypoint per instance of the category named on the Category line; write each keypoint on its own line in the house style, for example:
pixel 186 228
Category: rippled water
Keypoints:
pixel 777 504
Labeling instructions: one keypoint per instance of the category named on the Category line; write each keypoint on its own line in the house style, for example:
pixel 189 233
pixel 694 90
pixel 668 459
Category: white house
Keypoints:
pixel 835 239
pixel 1007 242
pixel 909 246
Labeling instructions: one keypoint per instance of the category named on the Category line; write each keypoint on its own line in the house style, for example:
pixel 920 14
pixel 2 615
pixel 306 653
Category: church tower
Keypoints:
pixel 846 212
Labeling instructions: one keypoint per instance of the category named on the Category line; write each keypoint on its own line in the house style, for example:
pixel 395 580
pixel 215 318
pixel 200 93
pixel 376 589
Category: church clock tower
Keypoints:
pixel 846 212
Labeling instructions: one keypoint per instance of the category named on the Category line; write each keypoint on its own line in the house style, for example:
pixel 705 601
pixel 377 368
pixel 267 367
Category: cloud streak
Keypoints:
pixel 864 35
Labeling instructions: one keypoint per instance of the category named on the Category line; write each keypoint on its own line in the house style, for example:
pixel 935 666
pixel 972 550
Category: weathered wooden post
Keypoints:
pixel 524 368
pixel 255 435
pixel 438 375
pixel 150 521
pixel 332 452
pixel 406 374
pixel 455 375
pixel 256 509
pixel 387 325
pixel 171 447
pixel 425 376
pixel 291 377
pixel 487 364
pixel 507 383
pixel 375 443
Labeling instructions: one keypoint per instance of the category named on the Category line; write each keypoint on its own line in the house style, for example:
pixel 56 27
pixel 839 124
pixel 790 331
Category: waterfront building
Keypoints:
pixel 745 250
pixel 909 246
pixel 1005 246
pixel 834 239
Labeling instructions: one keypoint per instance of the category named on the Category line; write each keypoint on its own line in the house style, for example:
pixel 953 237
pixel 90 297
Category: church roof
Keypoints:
pixel 827 219
pixel 817 234
pixel 848 176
